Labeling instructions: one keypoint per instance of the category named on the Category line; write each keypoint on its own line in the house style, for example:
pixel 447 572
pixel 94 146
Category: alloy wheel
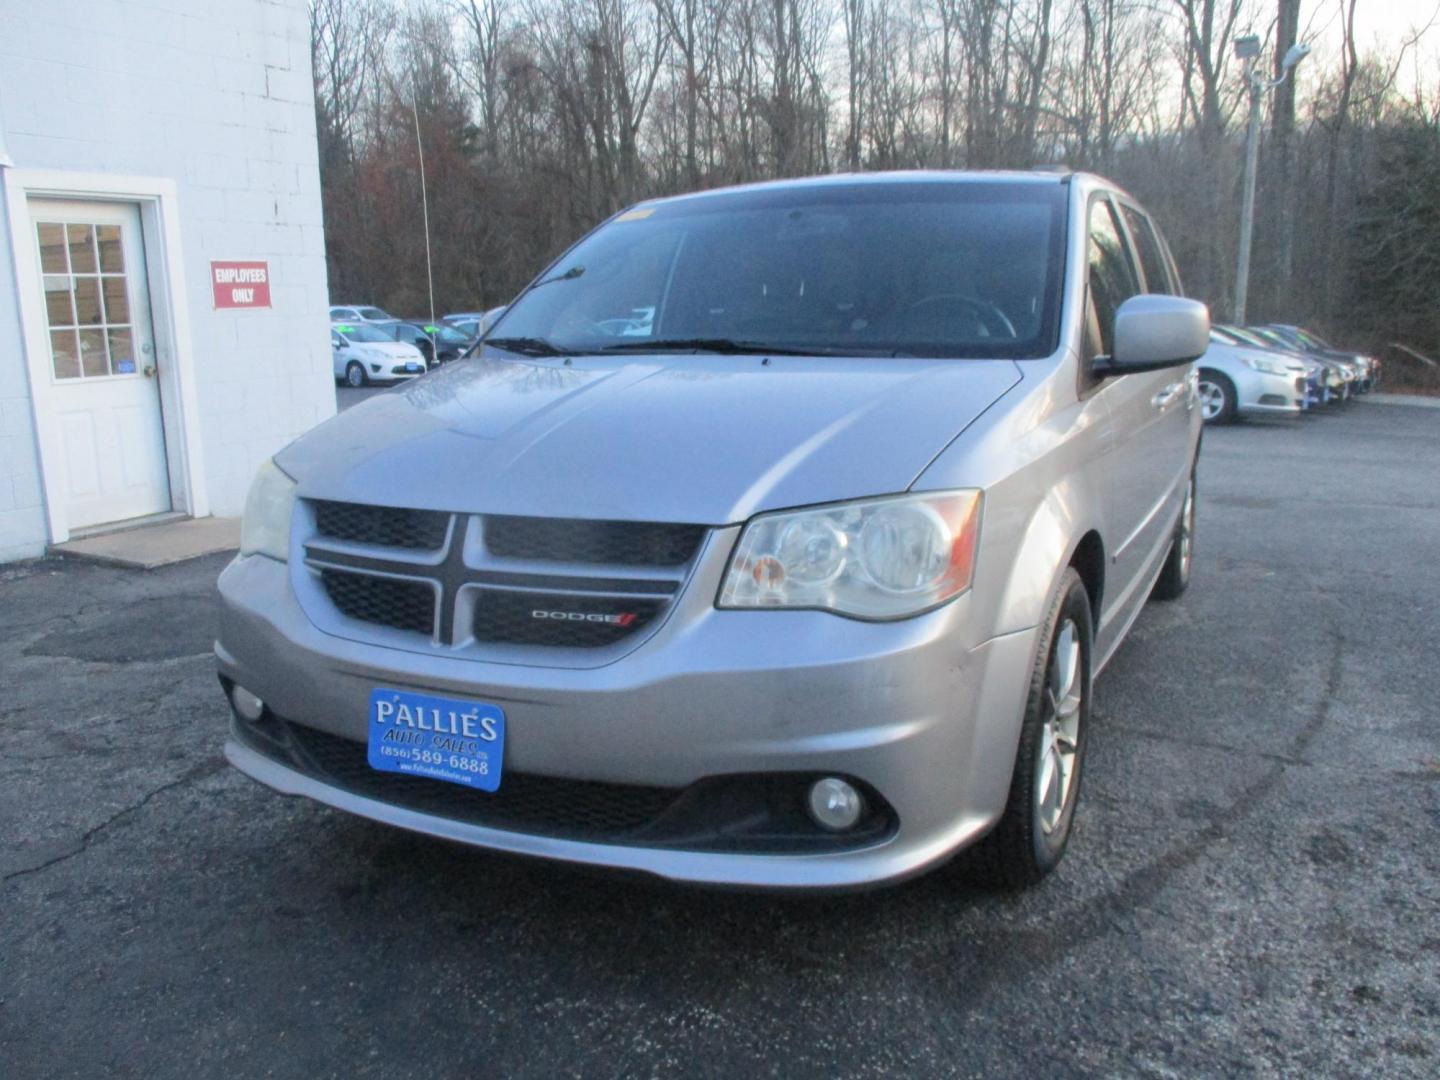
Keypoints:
pixel 1212 400
pixel 1060 730
pixel 1187 530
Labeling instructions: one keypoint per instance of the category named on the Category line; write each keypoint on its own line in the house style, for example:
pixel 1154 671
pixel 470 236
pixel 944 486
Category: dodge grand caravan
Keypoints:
pixel 803 585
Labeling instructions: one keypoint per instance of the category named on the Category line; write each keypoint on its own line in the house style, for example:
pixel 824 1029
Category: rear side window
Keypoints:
pixel 1112 278
pixel 1147 246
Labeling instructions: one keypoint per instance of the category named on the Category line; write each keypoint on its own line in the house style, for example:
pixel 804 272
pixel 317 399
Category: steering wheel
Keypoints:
pixel 991 319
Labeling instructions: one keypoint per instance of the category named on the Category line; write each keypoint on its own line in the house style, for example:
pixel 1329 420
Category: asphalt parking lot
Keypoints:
pixel 1254 886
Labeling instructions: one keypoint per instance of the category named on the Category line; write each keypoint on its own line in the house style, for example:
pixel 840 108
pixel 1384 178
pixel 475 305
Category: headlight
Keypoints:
pixel 1269 367
pixel 265 528
pixel 884 558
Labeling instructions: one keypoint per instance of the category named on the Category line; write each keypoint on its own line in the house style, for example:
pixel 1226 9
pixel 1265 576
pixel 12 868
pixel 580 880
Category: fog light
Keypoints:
pixel 249 706
pixel 834 804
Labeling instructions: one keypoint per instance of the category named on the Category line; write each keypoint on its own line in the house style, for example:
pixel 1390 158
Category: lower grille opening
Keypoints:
pixel 758 813
pixel 404 605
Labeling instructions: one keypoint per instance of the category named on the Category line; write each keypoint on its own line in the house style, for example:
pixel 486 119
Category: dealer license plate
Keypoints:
pixel 439 737
pixel 411 366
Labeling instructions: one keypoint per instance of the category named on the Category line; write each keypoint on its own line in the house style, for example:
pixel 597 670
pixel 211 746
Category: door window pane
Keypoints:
pixel 117 304
pixel 65 354
pixel 92 353
pixel 1112 278
pixel 82 248
pixel 112 260
pixel 87 301
pixel 59 305
pixel 1157 280
pixel 52 247
pixel 122 352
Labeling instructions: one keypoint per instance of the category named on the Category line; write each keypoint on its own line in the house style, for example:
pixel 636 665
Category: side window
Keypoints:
pixel 1112 278
pixel 1147 246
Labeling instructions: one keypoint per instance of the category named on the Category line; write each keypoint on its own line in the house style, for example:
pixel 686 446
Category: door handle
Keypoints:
pixel 149 371
pixel 1167 396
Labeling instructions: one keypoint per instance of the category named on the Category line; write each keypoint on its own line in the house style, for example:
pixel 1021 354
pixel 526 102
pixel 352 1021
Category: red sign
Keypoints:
pixel 240 284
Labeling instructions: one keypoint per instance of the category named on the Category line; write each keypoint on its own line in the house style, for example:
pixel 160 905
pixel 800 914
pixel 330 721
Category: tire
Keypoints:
pixel 1032 835
pixel 1174 576
pixel 355 376
pixel 1217 397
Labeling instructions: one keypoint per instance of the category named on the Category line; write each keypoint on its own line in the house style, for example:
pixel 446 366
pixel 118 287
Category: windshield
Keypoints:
pixel 923 269
pixel 364 333
pixel 372 313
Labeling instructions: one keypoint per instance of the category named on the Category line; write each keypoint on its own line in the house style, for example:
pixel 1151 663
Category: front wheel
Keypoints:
pixel 1032 835
pixel 1217 397
pixel 354 374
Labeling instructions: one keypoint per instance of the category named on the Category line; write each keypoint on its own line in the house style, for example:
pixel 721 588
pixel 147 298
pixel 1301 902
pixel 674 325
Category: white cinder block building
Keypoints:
pixel 163 300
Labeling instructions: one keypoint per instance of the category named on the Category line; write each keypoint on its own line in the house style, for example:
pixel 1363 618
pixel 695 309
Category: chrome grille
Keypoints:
pixel 478 582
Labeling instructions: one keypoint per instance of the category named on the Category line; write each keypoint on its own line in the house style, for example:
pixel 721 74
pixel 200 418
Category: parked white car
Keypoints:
pixel 359 313
pixel 365 354
pixel 1235 380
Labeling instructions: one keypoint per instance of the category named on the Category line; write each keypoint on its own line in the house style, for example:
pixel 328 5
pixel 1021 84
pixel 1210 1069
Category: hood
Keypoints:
pixel 702 439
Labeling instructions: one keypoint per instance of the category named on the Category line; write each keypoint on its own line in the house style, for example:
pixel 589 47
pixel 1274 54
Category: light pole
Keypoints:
pixel 1248 49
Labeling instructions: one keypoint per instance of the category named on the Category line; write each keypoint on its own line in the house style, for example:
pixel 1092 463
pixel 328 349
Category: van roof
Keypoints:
pixel 1040 177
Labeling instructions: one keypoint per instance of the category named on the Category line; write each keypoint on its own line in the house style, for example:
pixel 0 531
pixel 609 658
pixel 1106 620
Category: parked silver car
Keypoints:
pixel 1237 379
pixel 806 588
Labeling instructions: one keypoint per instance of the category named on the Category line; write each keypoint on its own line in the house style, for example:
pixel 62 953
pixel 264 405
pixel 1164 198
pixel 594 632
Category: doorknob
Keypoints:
pixel 149 371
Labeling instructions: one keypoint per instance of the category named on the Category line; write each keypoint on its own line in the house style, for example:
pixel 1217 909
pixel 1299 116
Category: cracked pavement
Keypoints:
pixel 1253 888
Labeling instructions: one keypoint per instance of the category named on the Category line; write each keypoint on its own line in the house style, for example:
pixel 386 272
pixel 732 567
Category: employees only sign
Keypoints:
pixel 241 284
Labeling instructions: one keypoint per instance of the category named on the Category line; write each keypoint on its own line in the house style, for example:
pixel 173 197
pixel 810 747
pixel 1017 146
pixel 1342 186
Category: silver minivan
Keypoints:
pixel 804 586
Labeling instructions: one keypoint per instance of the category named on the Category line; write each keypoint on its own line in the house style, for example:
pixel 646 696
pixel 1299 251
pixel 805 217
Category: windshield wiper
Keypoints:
pixel 527 346
pixel 715 345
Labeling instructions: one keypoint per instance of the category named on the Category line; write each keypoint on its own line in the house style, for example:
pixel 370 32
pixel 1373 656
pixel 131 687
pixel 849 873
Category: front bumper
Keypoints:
pixel 1263 392
pixel 904 708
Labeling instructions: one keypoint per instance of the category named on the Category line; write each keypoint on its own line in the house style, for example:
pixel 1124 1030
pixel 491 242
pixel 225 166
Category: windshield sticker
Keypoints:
pixel 640 213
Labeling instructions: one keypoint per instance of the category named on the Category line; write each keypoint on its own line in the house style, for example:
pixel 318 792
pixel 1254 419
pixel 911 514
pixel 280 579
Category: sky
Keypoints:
pixel 1381 26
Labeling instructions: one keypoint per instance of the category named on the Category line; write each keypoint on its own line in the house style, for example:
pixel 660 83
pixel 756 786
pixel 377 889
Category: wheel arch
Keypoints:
pixel 1065 530
pixel 1088 559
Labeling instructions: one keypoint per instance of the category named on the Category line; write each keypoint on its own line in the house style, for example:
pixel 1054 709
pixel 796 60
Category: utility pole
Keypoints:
pixel 424 204
pixel 1247 48
pixel 1247 200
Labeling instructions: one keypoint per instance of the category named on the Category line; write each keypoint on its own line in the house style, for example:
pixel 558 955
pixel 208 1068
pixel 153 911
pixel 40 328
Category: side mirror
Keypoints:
pixel 1154 332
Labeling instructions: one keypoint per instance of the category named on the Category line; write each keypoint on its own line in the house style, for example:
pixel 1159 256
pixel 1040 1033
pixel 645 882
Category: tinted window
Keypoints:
pixel 927 269
pixel 1147 246
pixel 1112 278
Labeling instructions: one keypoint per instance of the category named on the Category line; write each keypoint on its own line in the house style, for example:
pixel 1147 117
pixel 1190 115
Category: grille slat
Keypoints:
pixel 404 605
pixel 383 526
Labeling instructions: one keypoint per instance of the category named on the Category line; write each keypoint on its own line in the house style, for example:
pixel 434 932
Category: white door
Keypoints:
pixel 104 392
